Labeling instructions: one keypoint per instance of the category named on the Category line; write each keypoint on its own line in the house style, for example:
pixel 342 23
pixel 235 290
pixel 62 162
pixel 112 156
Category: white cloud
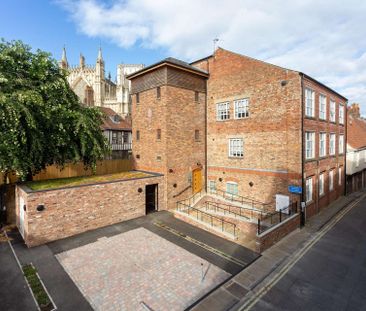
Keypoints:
pixel 325 39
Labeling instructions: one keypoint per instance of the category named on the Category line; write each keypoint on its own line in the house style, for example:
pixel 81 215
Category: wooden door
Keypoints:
pixel 197 180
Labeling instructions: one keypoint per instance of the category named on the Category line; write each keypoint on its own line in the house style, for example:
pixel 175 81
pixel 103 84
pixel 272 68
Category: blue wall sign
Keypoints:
pixel 295 189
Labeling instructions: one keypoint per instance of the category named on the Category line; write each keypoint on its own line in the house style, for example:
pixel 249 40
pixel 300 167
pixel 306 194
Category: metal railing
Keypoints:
pixel 192 199
pixel 213 221
pixel 122 146
pixel 246 212
pixel 242 200
pixel 272 219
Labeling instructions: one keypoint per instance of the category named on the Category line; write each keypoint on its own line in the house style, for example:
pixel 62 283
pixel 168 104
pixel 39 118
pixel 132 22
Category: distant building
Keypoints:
pixel 118 132
pixel 356 150
pixel 95 89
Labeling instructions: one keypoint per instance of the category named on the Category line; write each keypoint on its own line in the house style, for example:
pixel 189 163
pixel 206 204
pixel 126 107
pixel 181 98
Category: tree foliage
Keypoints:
pixel 41 119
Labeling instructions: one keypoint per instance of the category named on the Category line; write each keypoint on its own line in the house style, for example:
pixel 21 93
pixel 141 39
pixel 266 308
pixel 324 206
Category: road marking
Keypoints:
pixel 201 244
pixel 277 277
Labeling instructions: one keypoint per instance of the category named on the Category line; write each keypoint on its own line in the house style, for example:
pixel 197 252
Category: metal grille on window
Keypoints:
pixel 222 111
pixel 241 108
pixel 236 148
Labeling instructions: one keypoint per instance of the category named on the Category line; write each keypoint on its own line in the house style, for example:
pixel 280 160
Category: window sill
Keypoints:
pixel 310 160
pixel 322 158
pixel 232 157
pixel 223 120
pixel 309 202
pixel 310 118
pixel 242 118
pixel 323 120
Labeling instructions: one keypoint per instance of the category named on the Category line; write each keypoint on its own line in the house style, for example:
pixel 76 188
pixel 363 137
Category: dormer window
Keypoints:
pixel 116 118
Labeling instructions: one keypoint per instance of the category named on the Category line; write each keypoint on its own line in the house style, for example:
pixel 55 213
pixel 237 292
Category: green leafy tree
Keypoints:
pixel 41 119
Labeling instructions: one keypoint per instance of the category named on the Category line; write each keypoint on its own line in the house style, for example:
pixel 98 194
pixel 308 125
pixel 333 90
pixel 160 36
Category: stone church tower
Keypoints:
pixel 95 89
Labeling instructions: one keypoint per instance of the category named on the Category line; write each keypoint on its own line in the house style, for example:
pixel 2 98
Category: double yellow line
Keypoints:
pixel 278 276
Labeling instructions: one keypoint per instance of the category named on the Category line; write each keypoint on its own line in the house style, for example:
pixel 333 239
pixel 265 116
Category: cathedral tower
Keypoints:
pixel 63 63
pixel 99 79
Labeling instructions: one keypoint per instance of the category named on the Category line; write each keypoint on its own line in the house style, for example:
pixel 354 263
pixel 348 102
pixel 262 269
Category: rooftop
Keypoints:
pixel 356 132
pixel 169 61
pixel 111 122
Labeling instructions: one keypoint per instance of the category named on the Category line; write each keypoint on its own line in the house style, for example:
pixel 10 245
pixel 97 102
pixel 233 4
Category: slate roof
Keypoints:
pixel 169 60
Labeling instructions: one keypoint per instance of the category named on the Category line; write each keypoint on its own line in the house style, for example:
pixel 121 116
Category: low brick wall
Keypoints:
pixel 273 235
pixel 202 226
pixel 70 211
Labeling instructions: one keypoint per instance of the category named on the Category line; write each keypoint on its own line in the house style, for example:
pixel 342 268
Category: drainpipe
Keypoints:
pixel 302 148
pixel 206 117
pixel 345 149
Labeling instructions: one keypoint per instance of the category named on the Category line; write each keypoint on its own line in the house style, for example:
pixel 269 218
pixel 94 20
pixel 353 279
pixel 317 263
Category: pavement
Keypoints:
pixel 227 256
pixel 14 291
pixel 287 276
pixel 319 267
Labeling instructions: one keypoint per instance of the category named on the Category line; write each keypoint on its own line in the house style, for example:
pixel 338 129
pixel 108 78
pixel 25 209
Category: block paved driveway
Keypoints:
pixel 120 266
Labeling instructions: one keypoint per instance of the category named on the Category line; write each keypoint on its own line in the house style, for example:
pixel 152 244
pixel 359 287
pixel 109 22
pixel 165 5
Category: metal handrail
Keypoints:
pixel 252 210
pixel 217 207
pixel 240 199
pixel 186 208
pixel 191 199
pixel 292 208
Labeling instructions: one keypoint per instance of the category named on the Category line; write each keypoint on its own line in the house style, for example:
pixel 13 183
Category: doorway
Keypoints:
pixel 197 180
pixel 151 200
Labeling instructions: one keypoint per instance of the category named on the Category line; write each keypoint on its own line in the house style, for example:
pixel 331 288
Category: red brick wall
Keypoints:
pixel 319 165
pixel 178 115
pixel 272 133
pixel 272 236
pixel 70 211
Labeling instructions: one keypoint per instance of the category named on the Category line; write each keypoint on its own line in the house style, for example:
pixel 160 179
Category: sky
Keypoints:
pixel 324 39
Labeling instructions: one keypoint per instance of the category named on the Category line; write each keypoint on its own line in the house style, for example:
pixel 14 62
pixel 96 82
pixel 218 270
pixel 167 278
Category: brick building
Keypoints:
pixel 169 125
pixel 356 150
pixel 267 128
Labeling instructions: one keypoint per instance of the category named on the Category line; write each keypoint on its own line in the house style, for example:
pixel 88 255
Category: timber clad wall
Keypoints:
pixel 271 133
pixel 178 116
pixel 152 80
pixel 70 211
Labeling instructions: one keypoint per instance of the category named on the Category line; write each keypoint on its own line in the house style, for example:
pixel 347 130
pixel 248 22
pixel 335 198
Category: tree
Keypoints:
pixel 41 119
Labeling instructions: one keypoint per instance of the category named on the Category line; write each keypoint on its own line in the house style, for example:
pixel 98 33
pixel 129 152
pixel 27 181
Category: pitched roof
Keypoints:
pixel 169 61
pixel 356 132
pixel 261 61
pixel 109 124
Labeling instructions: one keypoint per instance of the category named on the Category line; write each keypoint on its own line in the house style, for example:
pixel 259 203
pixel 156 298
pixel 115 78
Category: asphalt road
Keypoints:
pixel 330 276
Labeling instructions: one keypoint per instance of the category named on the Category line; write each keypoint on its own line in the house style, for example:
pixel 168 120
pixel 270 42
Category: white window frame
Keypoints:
pixel 236 148
pixel 357 158
pixel 341 144
pixel 322 144
pixel 341 114
pixel 223 111
pixel 339 176
pixel 322 107
pixel 309 189
pixel 309 145
pixel 332 111
pixel 230 184
pixel 241 108
pixel 321 184
pixel 331 180
pixel 309 103
pixel 212 186
pixel 332 139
